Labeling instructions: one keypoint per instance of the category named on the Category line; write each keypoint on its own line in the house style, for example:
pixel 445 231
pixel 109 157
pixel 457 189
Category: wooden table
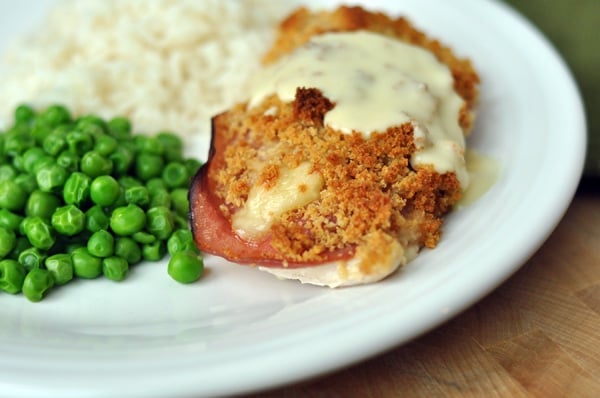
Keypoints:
pixel 537 335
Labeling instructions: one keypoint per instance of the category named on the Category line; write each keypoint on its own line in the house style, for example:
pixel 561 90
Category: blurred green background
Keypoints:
pixel 573 27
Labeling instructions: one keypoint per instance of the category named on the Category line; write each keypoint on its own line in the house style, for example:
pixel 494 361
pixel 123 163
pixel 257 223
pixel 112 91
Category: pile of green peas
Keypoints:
pixel 82 197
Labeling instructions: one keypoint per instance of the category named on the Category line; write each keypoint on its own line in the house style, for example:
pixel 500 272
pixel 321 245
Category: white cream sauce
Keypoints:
pixel 377 82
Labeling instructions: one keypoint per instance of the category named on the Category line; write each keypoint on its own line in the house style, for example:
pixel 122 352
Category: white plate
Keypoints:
pixel 239 330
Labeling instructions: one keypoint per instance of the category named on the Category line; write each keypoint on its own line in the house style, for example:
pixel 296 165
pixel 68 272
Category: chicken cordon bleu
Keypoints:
pixel 348 153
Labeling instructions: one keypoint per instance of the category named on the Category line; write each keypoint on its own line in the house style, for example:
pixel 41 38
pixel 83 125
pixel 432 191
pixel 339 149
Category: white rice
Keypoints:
pixel 165 64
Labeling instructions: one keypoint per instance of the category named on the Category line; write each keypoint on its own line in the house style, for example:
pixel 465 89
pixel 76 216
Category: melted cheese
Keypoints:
pixel 377 82
pixel 294 188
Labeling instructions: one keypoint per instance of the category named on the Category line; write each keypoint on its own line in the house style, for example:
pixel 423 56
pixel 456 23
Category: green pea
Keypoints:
pixel 41 204
pixel 8 240
pixel 16 142
pixel 156 184
pixel 37 283
pixel 160 198
pixel 21 245
pixel 51 178
pixel 39 130
pixel 122 158
pixel 181 240
pixel 7 172
pixel 31 156
pixel 27 182
pixel 172 144
pixel 68 220
pixel 85 265
pixel 10 220
pixel 32 258
pixel 42 161
pixel 148 166
pixel 77 189
pixel 105 145
pixel 137 196
pixel 180 202
pixel 127 220
pixel 143 237
pixel 55 143
pixel 39 233
pixel 175 175
pixel 193 165
pixel 149 145
pixel 61 267
pixel 84 123
pixel 104 190
pixel 96 219
pixel 119 127
pixel 94 164
pixel 186 267
pixel 79 142
pixel 101 244
pixel 154 251
pixel 24 113
pixel 160 222
pixel 128 249
pixel 55 115
pixel 68 160
pixel 115 268
pixel 129 182
pixel 12 275
pixel 12 196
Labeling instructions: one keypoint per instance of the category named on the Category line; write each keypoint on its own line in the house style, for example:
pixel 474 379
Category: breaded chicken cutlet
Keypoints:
pixel 309 181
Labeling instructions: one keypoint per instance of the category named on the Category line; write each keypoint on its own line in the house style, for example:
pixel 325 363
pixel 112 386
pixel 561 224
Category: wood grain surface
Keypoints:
pixel 537 335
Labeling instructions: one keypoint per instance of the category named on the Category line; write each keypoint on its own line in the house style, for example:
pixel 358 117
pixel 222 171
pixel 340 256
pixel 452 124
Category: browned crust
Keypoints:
pixel 370 189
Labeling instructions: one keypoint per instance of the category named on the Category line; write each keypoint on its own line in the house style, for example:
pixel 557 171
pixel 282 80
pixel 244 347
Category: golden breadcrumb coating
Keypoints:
pixel 370 191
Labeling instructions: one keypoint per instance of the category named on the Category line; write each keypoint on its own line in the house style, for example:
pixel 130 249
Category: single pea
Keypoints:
pixel 39 233
pixel 160 198
pixel 21 245
pixel 127 220
pixel 94 130
pixel 104 190
pixel 180 202
pixel 144 237
pixel 12 274
pixel 8 240
pixel 69 161
pixel 55 143
pixel 101 244
pixel 193 165
pixel 159 222
pixel 122 158
pixel 96 219
pixel 175 175
pixel 86 265
pixel 24 113
pixel 128 182
pixel 12 196
pixel 137 196
pixel 10 220
pixel 55 115
pixel 32 258
pixel 149 145
pixel 77 189
pixel 41 162
pixel 41 204
pixel 68 220
pixel 148 166
pixel 16 142
pixel 7 172
pixel 105 144
pixel 181 240
pixel 94 164
pixel 79 142
pixel 51 178
pixel 39 130
pixel 27 182
pixel 115 268
pixel 128 249
pixel 61 267
pixel 186 267
pixel 119 127
pixel 154 251
pixel 172 144
pixel 83 123
pixel 31 156
pixel 156 184
pixel 37 283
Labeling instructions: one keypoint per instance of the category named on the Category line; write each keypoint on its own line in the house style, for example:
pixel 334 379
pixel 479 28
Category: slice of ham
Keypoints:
pixel 213 233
